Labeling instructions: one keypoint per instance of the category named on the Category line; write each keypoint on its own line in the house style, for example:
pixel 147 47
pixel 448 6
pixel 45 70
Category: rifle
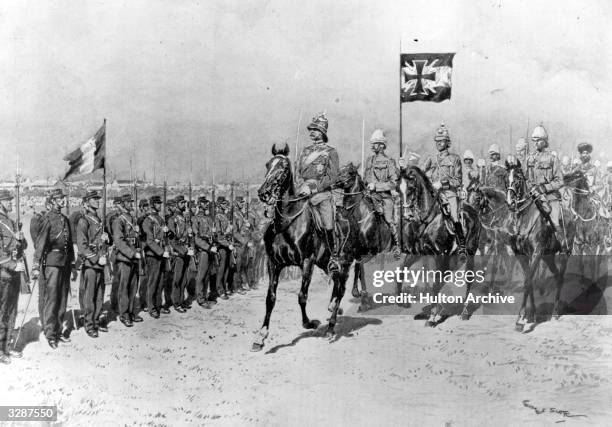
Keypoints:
pixel 25 274
pixel 141 269
pixel 165 243
pixel 232 220
pixel 190 234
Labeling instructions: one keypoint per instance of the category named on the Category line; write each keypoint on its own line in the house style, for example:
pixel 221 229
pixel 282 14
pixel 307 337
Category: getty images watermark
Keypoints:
pixel 410 277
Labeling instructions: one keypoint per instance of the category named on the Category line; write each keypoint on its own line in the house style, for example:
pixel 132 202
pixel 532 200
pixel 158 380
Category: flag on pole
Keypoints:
pixel 425 76
pixel 88 157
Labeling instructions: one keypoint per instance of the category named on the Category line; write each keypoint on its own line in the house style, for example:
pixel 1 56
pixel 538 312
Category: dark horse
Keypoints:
pixel 535 240
pixel 374 234
pixel 591 227
pixel 293 238
pixel 425 232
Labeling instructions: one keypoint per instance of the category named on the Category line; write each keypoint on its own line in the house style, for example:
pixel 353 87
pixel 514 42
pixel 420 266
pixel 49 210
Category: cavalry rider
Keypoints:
pixel 471 177
pixel 586 166
pixel 521 151
pixel 544 175
pixel 444 171
pixel 317 172
pixel 381 176
pixel 495 172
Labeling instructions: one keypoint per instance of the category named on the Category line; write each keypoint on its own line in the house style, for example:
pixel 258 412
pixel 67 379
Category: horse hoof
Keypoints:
pixel 519 327
pixel 311 324
pixel 465 316
pixel 430 324
pixel 528 327
pixel 340 311
pixel 355 292
pixel 256 347
pixel 330 334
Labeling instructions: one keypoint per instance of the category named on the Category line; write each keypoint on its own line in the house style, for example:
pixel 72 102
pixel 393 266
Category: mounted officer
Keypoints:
pixel 381 176
pixel 445 172
pixel 544 176
pixel 317 171
pixel 586 166
pixel 471 178
pixel 495 172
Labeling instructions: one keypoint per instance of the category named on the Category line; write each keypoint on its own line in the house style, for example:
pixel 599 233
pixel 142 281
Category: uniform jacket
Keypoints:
pixel 124 237
pixel 53 246
pixel 446 168
pixel 9 246
pixel 89 230
pixel 318 167
pixel 591 172
pixel 544 169
pixel 153 235
pixel 381 171
pixel 495 176
pixel 242 231
pixel 221 225
pixel 202 227
pixel 178 227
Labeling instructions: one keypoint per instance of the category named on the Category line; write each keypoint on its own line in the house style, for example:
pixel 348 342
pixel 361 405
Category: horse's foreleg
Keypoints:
pixel 262 334
pixel 530 307
pixel 337 294
pixel 307 267
pixel 520 321
pixel 466 312
pixel 558 273
pixel 356 278
pixel 435 317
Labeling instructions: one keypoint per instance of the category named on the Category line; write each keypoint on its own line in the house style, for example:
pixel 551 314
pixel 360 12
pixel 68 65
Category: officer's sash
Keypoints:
pixel 314 156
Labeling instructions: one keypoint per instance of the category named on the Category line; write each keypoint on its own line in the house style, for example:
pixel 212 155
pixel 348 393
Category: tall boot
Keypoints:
pixel 395 241
pixel 330 239
pixel 460 236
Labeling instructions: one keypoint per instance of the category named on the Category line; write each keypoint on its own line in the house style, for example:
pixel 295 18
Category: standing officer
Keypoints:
pixel 544 174
pixel 179 232
pixel 444 171
pixel 125 234
pixel 153 230
pixel 317 171
pixel 243 244
pixel 381 176
pixel 143 209
pixel 206 253
pixel 12 246
pixel 495 173
pixel 54 258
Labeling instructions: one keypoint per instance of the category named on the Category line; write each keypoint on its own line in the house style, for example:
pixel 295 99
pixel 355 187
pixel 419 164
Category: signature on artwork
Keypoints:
pixel 550 410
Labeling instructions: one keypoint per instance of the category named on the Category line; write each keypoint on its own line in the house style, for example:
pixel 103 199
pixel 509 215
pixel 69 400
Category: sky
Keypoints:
pixel 196 88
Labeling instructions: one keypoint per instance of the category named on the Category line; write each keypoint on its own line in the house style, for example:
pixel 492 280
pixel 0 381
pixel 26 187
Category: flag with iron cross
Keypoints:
pixel 425 76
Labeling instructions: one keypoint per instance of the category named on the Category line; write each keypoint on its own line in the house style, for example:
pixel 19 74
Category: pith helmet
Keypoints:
pixel 442 134
pixel 539 133
pixel 494 148
pixel 378 137
pixel 320 123
pixel 468 155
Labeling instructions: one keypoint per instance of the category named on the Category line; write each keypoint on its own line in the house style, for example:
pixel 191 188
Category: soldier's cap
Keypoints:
pixel 468 155
pixel 5 195
pixel 221 200
pixel 179 198
pixel 155 199
pixel 320 123
pixel 56 193
pixel 239 199
pixel 91 194
pixel 143 203
pixel 585 146
pixel 171 202
pixel 494 149
pixel 127 197
pixel 117 200
pixel 203 200
pixel 442 134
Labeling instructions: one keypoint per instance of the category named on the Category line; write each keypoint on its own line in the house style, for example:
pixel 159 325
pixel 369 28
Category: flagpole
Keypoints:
pixel 362 146
pixel 104 179
pixel 401 145
pixel 297 138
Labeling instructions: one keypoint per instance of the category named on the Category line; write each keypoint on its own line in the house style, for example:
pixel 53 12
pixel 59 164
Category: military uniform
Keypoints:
pixel 244 246
pixel 223 243
pixel 11 249
pixel 143 208
pixel 53 257
pixel 203 237
pixel 91 249
pixel 125 236
pixel 495 176
pixel 179 242
pixel 152 228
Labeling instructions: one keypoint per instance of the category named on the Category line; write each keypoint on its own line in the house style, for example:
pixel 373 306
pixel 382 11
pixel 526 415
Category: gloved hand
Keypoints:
pixel 19 266
pixel 35 274
pixel 250 244
pixel 371 186
pixel 402 162
pixel 231 248
pixel 137 255
pixel 136 229
pixel 104 238
pixel 165 229
pixel 166 254
pixel 213 249
pixel 19 235
pixel 102 260
pixel 462 194
pixel 190 252
pixel 305 191
pixel 437 185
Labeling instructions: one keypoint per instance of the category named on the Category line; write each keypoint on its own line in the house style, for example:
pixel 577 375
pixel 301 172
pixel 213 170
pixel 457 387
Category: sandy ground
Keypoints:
pixel 197 369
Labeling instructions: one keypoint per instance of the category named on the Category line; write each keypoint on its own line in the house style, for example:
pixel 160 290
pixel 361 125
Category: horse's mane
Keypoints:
pixel 576 179
pixel 493 194
pixel 422 177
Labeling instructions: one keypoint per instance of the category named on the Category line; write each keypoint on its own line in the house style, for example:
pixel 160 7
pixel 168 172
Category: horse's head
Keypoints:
pixel 576 179
pixel 278 177
pixel 412 183
pixel 347 175
pixel 515 182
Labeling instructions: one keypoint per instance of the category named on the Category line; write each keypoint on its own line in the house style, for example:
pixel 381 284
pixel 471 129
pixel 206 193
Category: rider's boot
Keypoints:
pixel 330 240
pixel 460 236
pixel 395 241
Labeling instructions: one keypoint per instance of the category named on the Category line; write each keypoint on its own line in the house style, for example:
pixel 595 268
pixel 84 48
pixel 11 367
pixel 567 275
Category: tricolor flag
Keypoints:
pixel 425 76
pixel 88 157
